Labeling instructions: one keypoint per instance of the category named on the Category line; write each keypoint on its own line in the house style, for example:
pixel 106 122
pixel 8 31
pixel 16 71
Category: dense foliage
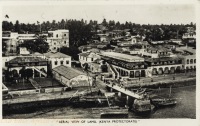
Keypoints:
pixel 80 32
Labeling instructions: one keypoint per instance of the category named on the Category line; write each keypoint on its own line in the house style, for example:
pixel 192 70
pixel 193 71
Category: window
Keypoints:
pixel 56 62
pixel 187 61
pixel 54 48
pixel 194 60
pixel 86 58
pixel 54 43
pixel 61 62
pixel 65 42
pixel 92 59
pixel 67 62
pixel 191 61
pixel 65 35
pixel 57 35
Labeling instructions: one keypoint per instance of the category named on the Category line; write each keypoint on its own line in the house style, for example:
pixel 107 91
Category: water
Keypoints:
pixel 185 108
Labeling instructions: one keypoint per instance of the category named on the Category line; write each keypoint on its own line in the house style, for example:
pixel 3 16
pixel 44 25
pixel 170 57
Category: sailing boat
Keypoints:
pixel 163 102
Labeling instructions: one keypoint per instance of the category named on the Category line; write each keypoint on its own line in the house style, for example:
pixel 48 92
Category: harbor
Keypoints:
pixel 185 97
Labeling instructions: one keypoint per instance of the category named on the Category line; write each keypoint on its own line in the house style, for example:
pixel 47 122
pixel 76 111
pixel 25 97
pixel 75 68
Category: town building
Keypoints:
pixel 36 65
pixel 57 39
pixel 11 42
pixel 71 77
pixel 56 59
pixel 189 62
pixel 23 51
pixel 164 65
pixel 125 66
pixel 88 57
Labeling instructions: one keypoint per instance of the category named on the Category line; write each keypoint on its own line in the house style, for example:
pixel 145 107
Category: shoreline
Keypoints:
pixel 18 107
pixel 166 84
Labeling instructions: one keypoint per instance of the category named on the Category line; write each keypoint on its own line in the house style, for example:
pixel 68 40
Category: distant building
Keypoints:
pixel 11 41
pixel 56 59
pixel 88 57
pixel 177 41
pixel 189 62
pixel 23 51
pixel 57 39
pixel 71 77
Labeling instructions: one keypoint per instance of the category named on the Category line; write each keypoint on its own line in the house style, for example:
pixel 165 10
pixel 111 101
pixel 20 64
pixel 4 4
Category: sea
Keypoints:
pixel 185 108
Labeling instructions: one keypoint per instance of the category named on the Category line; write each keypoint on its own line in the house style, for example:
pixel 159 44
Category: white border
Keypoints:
pixel 141 122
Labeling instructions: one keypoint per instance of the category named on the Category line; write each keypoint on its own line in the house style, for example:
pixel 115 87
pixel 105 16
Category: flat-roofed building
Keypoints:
pixel 164 65
pixel 56 59
pixel 57 39
pixel 124 65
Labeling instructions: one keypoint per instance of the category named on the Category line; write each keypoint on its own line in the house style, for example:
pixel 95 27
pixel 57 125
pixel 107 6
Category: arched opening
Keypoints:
pixel 187 69
pixel 172 70
pixel 15 73
pixel 36 73
pixel 178 69
pixel 154 71
pixel 191 61
pixel 137 73
pixel 160 71
pixel 29 73
pixel 132 74
pixel 142 73
pixel 126 74
pixel 187 61
pixel 166 70
pixel 191 68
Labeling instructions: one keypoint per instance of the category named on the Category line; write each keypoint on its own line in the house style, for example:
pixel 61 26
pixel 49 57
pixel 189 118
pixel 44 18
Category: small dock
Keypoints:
pixel 125 91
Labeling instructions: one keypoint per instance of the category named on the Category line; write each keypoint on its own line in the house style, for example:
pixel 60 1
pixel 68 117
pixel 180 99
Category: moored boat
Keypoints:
pixel 141 106
pixel 163 102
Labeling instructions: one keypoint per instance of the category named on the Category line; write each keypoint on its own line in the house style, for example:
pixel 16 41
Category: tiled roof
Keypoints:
pixel 56 55
pixel 26 59
pixel 68 72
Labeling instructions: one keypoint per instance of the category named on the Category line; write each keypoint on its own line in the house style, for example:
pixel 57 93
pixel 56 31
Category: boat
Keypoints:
pixel 142 106
pixel 163 102
pixel 112 112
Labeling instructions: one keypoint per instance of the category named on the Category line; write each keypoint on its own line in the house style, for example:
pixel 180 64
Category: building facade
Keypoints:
pixel 125 66
pixel 56 59
pixel 87 57
pixel 57 39
pixel 37 65
pixel 71 77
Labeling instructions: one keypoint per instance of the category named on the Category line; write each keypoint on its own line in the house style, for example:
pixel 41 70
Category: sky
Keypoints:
pixel 142 14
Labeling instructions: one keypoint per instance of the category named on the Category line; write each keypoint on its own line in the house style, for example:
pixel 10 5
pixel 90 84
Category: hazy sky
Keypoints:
pixel 143 14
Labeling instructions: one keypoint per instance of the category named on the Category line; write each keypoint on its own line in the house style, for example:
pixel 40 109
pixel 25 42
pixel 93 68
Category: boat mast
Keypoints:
pixel 170 91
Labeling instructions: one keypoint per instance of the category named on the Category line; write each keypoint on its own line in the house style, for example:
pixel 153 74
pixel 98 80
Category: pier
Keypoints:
pixel 124 91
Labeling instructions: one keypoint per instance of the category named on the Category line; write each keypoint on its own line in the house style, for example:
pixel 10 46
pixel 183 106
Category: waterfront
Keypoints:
pixel 185 108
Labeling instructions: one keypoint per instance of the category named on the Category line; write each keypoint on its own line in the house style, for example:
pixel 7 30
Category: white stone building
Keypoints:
pixel 57 39
pixel 56 59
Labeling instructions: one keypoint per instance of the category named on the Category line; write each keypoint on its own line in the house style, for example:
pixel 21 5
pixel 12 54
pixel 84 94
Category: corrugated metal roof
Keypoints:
pixel 68 72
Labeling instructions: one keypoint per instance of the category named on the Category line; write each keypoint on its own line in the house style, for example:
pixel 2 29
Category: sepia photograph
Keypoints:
pixel 99 61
